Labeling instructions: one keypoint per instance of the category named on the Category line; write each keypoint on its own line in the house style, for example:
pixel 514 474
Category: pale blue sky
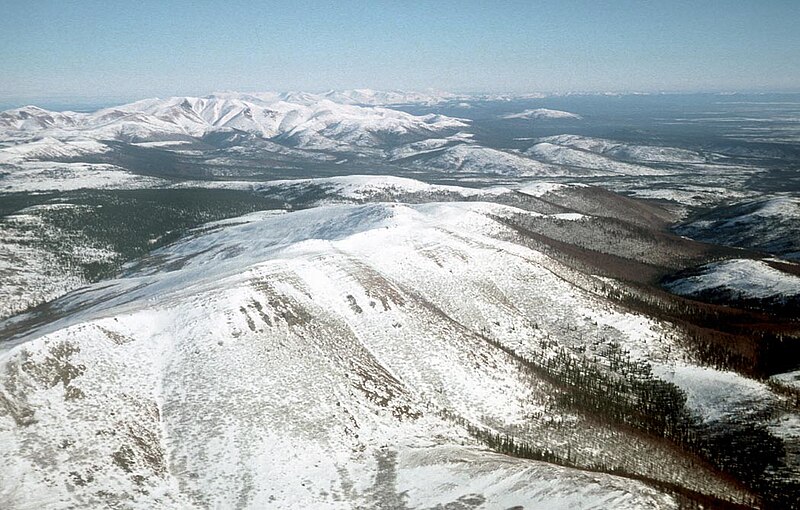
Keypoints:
pixel 141 48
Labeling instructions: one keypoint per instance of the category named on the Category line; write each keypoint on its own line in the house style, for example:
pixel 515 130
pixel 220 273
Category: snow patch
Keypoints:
pixel 714 394
pixel 744 277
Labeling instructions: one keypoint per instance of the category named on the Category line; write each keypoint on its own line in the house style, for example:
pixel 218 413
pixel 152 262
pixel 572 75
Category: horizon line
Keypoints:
pixel 18 101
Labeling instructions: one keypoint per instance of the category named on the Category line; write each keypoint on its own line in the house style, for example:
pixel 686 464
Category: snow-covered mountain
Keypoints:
pixel 472 158
pixel 33 118
pixel 371 188
pixel 740 279
pixel 49 148
pixel 322 359
pixel 587 160
pixel 393 97
pixel 319 123
pixel 770 224
pixel 627 151
pixel 542 113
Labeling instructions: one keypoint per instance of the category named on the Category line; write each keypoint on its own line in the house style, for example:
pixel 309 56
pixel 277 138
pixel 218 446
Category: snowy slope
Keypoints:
pixel 49 176
pixel 743 278
pixel 540 189
pixel 315 359
pixel 586 160
pixel 391 97
pixel 49 148
pixel 362 188
pixel 770 223
pixel 32 118
pixel 354 189
pixel 542 113
pixel 34 276
pixel 427 146
pixel 626 151
pixel 318 123
pixel 470 158
pixel 717 395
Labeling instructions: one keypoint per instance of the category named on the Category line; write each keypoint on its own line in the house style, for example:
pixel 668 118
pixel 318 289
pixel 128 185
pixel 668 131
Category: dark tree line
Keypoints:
pixel 688 499
pixel 622 391
pixel 130 223
pixel 503 443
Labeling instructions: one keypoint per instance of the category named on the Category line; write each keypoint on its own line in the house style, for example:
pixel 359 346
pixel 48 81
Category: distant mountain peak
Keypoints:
pixel 314 120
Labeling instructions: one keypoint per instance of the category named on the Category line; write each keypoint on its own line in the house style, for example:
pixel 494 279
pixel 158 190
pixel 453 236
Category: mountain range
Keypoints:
pixel 360 299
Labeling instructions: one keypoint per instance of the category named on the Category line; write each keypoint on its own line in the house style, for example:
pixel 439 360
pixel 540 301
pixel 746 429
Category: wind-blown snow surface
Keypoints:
pixel 305 360
pixel 742 278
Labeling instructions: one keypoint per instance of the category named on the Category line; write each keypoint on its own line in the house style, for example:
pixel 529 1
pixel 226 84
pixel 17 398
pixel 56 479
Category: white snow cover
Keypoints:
pixel 597 164
pixel 688 194
pixel 781 208
pixel 540 189
pixel 350 188
pixel 49 148
pixel 33 274
pixel 788 378
pixel 744 277
pixel 469 158
pixel 627 151
pixel 427 146
pixel 320 123
pixel 363 187
pixel 35 176
pixel 305 360
pixel 715 395
pixel 543 113
pixel 569 216
pixel 767 223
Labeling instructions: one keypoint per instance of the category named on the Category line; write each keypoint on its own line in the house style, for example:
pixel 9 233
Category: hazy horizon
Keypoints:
pixel 89 103
pixel 120 51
